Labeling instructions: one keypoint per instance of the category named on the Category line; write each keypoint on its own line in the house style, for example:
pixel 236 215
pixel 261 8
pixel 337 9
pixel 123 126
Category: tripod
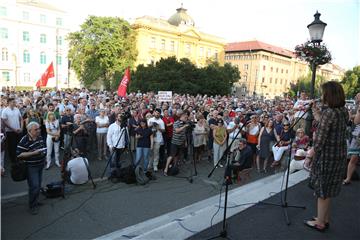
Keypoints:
pixel 284 203
pixel 123 130
pixel 67 153
pixel 227 177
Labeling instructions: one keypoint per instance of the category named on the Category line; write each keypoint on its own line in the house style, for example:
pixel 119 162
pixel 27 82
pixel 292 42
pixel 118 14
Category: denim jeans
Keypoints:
pixel 34 177
pixel 142 153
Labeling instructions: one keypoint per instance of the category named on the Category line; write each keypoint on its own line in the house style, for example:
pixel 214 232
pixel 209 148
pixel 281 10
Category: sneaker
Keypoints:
pixel 220 165
pixel 47 166
pixel 156 169
pixel 57 164
pixel 34 210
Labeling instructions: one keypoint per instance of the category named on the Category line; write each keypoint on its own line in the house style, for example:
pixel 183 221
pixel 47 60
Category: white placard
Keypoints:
pixel 165 96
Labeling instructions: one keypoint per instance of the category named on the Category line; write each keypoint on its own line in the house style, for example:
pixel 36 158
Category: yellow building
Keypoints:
pixel 265 70
pixel 158 38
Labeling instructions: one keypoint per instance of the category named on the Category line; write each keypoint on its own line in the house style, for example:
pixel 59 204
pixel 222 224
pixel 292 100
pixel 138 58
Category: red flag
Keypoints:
pixel 124 83
pixel 49 73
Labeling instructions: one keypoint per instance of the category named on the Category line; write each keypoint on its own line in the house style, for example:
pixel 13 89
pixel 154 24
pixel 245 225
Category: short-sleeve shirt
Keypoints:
pixel 13 118
pixel 100 120
pixel 145 134
pixel 178 138
pixel 26 144
pixel 52 126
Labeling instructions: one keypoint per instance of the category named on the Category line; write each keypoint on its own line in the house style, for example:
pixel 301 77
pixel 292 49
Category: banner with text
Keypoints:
pixel 165 96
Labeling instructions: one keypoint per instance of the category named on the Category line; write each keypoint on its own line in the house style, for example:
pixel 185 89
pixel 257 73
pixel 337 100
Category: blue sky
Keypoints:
pixel 279 22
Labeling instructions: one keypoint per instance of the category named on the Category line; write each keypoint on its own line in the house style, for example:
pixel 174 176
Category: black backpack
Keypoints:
pixel 173 170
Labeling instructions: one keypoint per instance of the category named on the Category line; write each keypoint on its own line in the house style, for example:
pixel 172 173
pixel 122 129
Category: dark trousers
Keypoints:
pixel 34 178
pixel 115 161
pixel 12 140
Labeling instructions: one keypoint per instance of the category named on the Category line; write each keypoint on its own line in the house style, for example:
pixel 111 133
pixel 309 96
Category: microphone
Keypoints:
pixel 317 100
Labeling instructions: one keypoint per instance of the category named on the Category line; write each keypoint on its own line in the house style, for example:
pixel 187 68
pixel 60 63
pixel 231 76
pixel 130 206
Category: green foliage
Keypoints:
pixel 184 77
pixel 102 47
pixel 304 84
pixel 351 82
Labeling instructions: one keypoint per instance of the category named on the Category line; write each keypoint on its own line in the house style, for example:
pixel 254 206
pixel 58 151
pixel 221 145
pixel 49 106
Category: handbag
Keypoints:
pixel 19 171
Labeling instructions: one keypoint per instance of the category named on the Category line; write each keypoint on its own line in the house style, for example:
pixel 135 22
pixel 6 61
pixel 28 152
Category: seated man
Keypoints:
pixel 76 172
pixel 243 157
pixel 301 160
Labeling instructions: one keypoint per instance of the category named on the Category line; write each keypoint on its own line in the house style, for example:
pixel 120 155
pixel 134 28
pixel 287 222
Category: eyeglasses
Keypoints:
pixel 36 129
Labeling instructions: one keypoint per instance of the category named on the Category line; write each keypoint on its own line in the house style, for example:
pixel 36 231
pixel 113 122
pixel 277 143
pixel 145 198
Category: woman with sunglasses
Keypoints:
pixel 282 145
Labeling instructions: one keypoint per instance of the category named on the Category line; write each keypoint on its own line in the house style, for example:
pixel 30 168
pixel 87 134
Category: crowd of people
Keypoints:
pixel 162 134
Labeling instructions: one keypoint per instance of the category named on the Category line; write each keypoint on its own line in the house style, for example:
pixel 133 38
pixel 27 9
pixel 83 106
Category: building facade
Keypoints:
pixel 265 70
pixel 32 35
pixel 159 38
pixel 268 71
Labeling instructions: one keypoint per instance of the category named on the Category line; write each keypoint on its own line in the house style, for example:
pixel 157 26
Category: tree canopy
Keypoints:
pixel 304 84
pixel 184 77
pixel 351 82
pixel 101 48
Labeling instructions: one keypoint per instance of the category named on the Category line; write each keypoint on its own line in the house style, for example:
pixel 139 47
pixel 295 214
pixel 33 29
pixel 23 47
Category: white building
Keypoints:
pixel 32 35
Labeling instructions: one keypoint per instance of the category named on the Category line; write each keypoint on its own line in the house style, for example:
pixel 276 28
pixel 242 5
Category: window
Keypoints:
pixel 216 55
pixel 25 15
pixel 59 40
pixel 59 21
pixel 26 37
pixel 287 71
pixel 4 55
pixel 42 58
pixel 42 38
pixel 246 66
pixel 271 69
pixel 153 42
pixel 264 68
pixel 270 80
pixel 208 52
pixel 6 76
pixel 3 11
pixel 275 80
pixel 282 70
pixel 263 80
pixel 280 81
pixel 277 70
pixel 26 77
pixel 4 33
pixel 187 48
pixel 42 18
pixel 162 44
pixel 172 46
pixel 26 56
pixel 245 78
pixel 201 53
pixel 58 60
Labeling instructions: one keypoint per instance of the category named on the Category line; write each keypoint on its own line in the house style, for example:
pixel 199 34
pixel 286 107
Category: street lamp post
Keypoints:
pixel 316 31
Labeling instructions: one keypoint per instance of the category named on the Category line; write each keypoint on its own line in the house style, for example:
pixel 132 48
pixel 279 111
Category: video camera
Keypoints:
pixel 124 118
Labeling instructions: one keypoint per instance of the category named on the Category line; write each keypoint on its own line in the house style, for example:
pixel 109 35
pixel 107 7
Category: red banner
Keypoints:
pixel 124 83
pixel 49 73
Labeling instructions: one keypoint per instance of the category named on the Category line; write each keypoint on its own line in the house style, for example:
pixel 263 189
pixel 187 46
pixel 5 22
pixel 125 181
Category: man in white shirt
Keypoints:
pixel 11 118
pixel 233 129
pixel 77 169
pixel 158 126
pixel 300 108
pixel 116 141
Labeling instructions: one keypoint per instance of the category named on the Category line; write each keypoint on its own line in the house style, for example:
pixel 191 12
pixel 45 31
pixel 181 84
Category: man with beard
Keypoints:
pixel 158 126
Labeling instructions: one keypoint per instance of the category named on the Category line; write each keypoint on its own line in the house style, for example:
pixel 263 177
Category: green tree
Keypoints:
pixel 304 84
pixel 184 77
pixel 351 82
pixel 101 48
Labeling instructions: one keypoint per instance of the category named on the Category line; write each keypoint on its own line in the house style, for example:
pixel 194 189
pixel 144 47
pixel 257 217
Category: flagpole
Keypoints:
pixel 56 58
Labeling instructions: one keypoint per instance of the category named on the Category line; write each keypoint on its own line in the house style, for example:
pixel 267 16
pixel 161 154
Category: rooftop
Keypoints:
pixel 257 45
pixel 39 4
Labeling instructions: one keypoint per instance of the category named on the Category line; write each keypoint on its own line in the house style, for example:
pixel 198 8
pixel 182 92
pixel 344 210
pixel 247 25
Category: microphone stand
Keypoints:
pixel 227 176
pixel 284 203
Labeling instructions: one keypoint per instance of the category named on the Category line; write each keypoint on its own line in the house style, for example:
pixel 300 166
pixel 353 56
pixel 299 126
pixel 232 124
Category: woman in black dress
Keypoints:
pixel 266 136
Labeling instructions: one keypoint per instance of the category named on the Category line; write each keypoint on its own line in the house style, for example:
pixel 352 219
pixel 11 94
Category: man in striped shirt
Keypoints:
pixel 32 150
pixel 178 140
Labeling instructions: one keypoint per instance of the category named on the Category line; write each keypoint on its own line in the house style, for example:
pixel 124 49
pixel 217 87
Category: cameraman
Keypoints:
pixel 76 171
pixel 115 139
pixel 178 140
